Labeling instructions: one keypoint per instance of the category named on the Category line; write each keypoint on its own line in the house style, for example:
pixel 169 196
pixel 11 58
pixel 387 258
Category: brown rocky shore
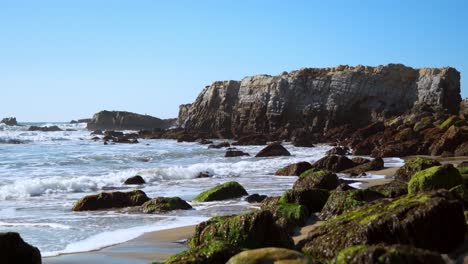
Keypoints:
pixel 417 215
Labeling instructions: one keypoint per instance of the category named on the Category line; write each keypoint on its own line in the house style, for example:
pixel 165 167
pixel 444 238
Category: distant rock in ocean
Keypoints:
pixel 84 120
pixel 9 121
pixel 121 120
pixel 318 99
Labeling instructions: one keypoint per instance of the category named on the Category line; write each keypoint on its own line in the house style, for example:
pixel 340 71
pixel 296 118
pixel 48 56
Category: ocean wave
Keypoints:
pixel 49 225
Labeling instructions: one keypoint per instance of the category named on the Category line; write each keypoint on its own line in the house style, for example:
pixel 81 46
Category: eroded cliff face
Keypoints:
pixel 319 99
pixel 121 120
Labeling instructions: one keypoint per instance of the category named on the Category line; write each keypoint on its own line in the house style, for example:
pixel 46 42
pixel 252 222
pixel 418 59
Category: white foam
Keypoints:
pixel 110 238
pixel 50 225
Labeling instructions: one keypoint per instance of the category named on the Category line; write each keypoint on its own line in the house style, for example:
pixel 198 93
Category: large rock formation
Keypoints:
pixel 318 99
pixel 9 121
pixel 121 120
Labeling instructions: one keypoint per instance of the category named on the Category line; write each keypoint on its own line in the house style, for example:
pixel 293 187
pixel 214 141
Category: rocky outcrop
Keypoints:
pixel 227 190
pixel 164 204
pixel 14 250
pixel 273 150
pixel 121 120
pixel 137 179
pixel 319 99
pixel 45 129
pixel 9 121
pixel 107 200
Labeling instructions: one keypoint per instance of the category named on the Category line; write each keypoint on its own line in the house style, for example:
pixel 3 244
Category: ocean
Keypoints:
pixel 41 179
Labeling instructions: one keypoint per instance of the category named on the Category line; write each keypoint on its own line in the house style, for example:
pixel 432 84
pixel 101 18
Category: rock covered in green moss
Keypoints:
pixel 164 204
pixel 343 201
pixel 213 252
pixel 291 214
pixel 461 192
pixel 392 189
pixel 313 179
pixel 386 254
pixel 433 221
pixel 251 230
pixel 107 200
pixel 313 199
pixel 294 169
pixel 334 163
pixel 438 177
pixel 375 164
pixel 414 165
pixel 269 255
pixel 228 190
pixel 13 249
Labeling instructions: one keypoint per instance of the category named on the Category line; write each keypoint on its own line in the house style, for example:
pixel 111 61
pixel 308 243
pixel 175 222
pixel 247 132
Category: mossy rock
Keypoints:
pixel 343 201
pixel 447 122
pixel 293 213
pixel 425 122
pixel 438 177
pixel 461 192
pixel 251 230
pixel 313 199
pixel 164 204
pixel 313 179
pixel 295 169
pixel 375 164
pixel 309 171
pixel 270 255
pixel 212 252
pixel 414 165
pixel 393 189
pixel 463 170
pixel 385 254
pixel 433 221
pixel 228 190
pixel 108 200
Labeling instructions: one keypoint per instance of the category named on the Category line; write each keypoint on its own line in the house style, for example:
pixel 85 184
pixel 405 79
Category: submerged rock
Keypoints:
pixel 137 179
pixel 438 177
pixel 433 221
pixel 220 145
pixel 107 200
pixel 269 255
pixel 14 250
pixel 274 149
pixel 228 190
pixel 414 165
pixel 295 169
pixel 164 204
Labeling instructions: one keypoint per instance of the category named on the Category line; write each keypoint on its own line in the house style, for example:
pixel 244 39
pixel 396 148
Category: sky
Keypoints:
pixel 64 60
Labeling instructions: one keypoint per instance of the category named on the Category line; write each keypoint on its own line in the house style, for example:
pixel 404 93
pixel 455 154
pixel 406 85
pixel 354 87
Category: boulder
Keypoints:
pixel 414 165
pixel 334 163
pixel 359 161
pixel 274 149
pixel 137 179
pixel 204 174
pixel 433 221
pixel 295 169
pixel 255 198
pixel 438 177
pixel 269 255
pixel 228 190
pixel 392 189
pixel 256 139
pixel 341 151
pixel 340 202
pixel 14 250
pixel 449 141
pixel 290 215
pixel 121 120
pixel 235 153
pixel 164 204
pixel 186 138
pixel 9 121
pixel 108 200
pixel 313 199
pixel 220 145
pixel 462 149
pixel 204 141
pixel 381 254
pixel 211 252
pixel 313 179
pixel 375 164
pixel 44 129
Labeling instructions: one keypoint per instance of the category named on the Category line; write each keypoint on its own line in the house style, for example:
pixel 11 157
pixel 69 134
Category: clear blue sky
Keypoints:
pixel 62 60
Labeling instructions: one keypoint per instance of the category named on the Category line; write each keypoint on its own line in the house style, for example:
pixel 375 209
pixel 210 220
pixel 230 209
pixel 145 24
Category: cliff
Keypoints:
pixel 121 120
pixel 319 99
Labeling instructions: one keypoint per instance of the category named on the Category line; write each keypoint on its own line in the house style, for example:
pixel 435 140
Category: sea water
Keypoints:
pixel 42 178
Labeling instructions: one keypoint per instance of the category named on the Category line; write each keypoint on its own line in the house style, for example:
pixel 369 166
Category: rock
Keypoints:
pixel 256 139
pixel 341 151
pixel 204 174
pixel 359 161
pixel 107 200
pixel 446 154
pixel 401 254
pixel 424 123
pixel 212 252
pixel 397 149
pixel 340 202
pixel 251 230
pixel 290 215
pixel 334 163
pixel 464 108
pixel 269 255
pixel 462 149
pixel 97 132
pixel 14 250
pixel 274 149
pixel 294 169
pixel 449 141
pixel 44 129
pixel 438 177
pixel 220 145
pixel 255 198
pixel 303 138
pixel 235 153
pixel 135 180
pixel 83 120
pixel 433 221
pixel 393 189
pixel 313 199
pixel 125 139
pixel 121 120
pixel 164 204
pixel 375 164
pixel 111 134
pixel 204 141
pixel 186 138
pixel 313 179
pixel 414 165
pixel 228 190
pixel 320 98
pixel 9 121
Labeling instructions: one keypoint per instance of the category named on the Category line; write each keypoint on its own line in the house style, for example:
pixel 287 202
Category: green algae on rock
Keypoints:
pixel 313 199
pixel 392 189
pixel 438 177
pixel 343 201
pixel 414 165
pixel 228 190
pixel 213 252
pixel 384 254
pixel 269 255
pixel 107 200
pixel 164 204
pixel 317 179
pixel 433 221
